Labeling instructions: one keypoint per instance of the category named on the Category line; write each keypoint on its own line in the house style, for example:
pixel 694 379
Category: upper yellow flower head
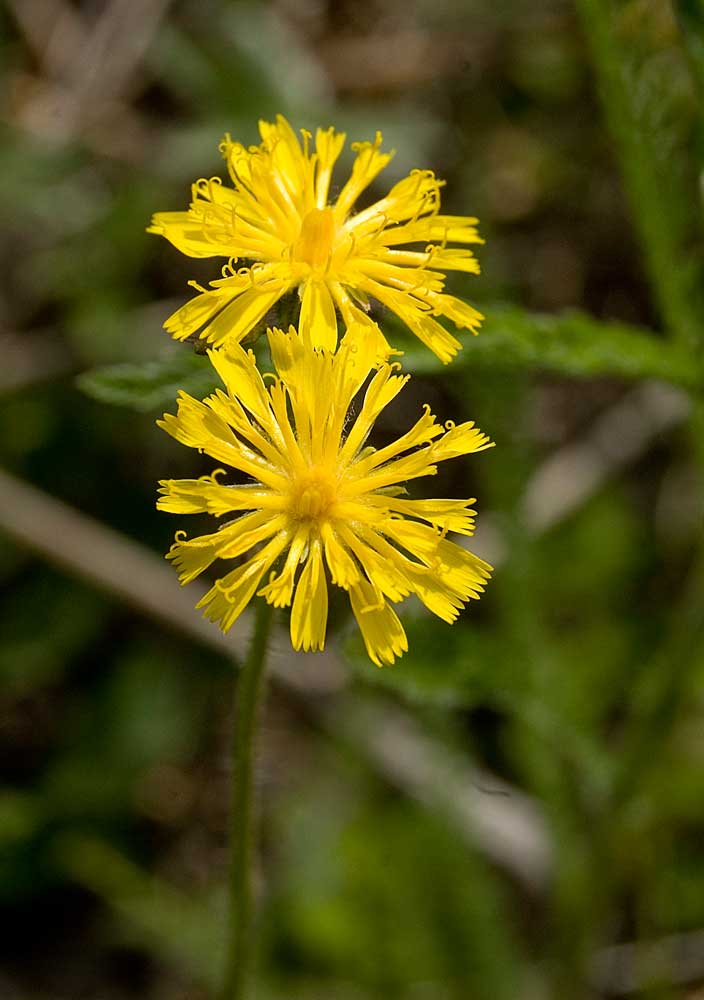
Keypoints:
pixel 277 215
pixel 320 502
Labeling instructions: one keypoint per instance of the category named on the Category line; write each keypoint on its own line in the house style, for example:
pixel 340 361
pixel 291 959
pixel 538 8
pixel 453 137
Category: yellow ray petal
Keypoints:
pixel 309 613
pixel 344 572
pixel 292 168
pixel 361 327
pixel 197 426
pixel 438 598
pixel 383 388
pixel 383 633
pixel 200 310
pixel 460 569
pixel 459 439
pixel 264 440
pixel 206 495
pixel 414 196
pixel 186 233
pixel 414 310
pixel 433 229
pixel 328 146
pixel 191 556
pixel 241 316
pixel 228 598
pixel 318 321
pixel 384 570
pixel 369 162
pixel 279 589
pixel 447 515
pixel 423 431
pixel 238 370
pixel 454 260
pixel 461 313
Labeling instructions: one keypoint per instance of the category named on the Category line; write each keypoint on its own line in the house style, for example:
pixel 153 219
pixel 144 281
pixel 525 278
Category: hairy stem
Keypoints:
pixel 250 694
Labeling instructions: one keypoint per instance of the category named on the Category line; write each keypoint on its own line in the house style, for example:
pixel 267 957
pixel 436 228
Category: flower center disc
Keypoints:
pixel 314 243
pixel 312 497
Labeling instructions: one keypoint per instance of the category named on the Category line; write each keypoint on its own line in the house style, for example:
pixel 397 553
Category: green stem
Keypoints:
pixel 250 694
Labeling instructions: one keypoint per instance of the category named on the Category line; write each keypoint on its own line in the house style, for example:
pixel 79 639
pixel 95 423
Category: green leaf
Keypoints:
pixel 151 385
pixel 570 343
pixel 651 110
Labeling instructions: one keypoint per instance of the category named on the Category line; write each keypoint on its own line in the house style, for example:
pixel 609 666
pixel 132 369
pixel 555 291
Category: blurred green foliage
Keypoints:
pixel 568 701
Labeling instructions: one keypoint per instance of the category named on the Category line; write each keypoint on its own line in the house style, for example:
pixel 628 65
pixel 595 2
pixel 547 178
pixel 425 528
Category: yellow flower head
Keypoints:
pixel 276 215
pixel 320 502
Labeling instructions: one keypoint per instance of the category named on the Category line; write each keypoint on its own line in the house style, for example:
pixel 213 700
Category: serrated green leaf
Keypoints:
pixel 151 385
pixel 569 343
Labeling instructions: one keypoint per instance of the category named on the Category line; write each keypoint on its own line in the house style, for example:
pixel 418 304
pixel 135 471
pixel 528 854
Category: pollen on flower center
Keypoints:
pixel 312 496
pixel 314 243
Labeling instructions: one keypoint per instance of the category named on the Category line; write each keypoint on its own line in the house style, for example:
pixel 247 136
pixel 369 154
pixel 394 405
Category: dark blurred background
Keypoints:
pixel 516 808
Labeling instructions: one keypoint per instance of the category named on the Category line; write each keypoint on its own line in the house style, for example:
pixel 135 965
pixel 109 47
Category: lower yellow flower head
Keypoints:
pixel 320 503
pixel 276 215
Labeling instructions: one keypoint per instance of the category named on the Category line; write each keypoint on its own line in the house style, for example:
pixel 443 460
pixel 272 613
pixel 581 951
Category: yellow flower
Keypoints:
pixel 318 497
pixel 276 215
